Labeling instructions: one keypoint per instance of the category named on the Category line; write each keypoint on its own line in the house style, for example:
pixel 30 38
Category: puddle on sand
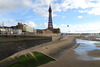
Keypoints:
pixel 85 47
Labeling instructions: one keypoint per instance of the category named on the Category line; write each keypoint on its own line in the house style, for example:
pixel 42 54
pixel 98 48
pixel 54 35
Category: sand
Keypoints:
pixel 94 53
pixel 70 59
pixel 91 38
pixel 51 49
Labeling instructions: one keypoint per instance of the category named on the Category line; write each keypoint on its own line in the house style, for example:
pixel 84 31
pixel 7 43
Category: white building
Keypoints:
pixel 2 30
pixel 10 30
pixel 17 31
pixel 28 29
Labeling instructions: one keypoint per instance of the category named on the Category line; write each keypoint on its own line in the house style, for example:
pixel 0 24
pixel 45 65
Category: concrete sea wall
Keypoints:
pixel 51 49
pixel 12 44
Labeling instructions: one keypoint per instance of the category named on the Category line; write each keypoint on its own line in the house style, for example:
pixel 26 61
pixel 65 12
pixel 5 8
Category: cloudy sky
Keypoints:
pixel 80 15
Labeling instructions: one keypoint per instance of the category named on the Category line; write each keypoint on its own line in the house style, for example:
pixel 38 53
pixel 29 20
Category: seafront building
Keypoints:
pixel 44 31
pixel 18 29
pixel 10 30
pixel 28 29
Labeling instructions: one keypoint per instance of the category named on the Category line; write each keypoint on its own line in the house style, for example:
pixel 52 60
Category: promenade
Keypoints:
pixel 52 49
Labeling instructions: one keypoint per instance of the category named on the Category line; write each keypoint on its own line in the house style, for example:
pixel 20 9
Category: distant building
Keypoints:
pixel 56 30
pixel 10 30
pixel 44 31
pixel 50 28
pixel 50 23
pixel 25 28
pixel 28 29
pixel 20 26
pixel 2 30
pixel 39 31
pixel 18 29
pixel 47 31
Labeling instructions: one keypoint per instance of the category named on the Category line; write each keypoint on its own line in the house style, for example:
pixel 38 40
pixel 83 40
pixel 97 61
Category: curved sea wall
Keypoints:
pixel 12 44
pixel 50 49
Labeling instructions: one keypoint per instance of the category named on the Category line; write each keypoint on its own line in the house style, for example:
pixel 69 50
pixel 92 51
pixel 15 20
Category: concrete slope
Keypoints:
pixel 50 49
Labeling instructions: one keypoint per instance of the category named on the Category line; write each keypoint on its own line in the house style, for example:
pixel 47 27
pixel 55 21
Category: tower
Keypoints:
pixel 50 24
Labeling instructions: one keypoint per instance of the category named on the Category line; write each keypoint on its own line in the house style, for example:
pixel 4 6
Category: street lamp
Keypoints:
pixel 68 28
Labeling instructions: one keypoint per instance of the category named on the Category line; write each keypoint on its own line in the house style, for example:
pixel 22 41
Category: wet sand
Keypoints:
pixel 91 38
pixel 97 45
pixel 70 59
pixel 94 53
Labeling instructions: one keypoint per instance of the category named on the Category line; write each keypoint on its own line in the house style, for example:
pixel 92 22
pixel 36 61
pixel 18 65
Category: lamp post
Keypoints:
pixel 68 28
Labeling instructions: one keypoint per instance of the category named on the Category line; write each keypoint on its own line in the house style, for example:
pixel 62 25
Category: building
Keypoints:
pixel 10 30
pixel 47 31
pixel 50 23
pixel 2 30
pixel 56 30
pixel 28 29
pixel 44 31
pixel 50 28
pixel 39 31
pixel 20 26
pixel 18 29
pixel 25 28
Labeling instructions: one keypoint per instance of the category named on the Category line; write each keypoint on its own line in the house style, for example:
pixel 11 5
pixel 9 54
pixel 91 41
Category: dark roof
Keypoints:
pixel 5 27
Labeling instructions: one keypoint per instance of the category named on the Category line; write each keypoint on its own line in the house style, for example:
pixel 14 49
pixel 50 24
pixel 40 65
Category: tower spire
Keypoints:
pixel 50 10
pixel 50 23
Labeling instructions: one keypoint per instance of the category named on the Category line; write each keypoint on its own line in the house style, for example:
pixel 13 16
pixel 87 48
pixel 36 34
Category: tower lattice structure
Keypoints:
pixel 50 23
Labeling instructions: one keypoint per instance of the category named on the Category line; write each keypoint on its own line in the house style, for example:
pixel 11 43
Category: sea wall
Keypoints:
pixel 12 44
pixel 51 49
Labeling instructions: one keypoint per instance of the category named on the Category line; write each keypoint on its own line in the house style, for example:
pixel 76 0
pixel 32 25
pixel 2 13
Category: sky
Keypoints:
pixel 82 16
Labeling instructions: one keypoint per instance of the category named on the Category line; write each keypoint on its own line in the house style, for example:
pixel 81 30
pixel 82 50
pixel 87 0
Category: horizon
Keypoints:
pixel 82 16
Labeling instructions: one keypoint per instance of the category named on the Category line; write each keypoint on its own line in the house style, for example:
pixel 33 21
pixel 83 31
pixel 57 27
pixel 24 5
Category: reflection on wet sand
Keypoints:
pixel 88 50
pixel 84 54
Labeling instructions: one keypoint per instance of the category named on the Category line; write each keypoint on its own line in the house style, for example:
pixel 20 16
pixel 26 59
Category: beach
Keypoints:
pixel 52 49
pixel 67 51
pixel 77 57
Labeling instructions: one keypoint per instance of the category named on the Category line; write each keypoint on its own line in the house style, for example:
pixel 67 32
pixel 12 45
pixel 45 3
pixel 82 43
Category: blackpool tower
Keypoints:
pixel 50 24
